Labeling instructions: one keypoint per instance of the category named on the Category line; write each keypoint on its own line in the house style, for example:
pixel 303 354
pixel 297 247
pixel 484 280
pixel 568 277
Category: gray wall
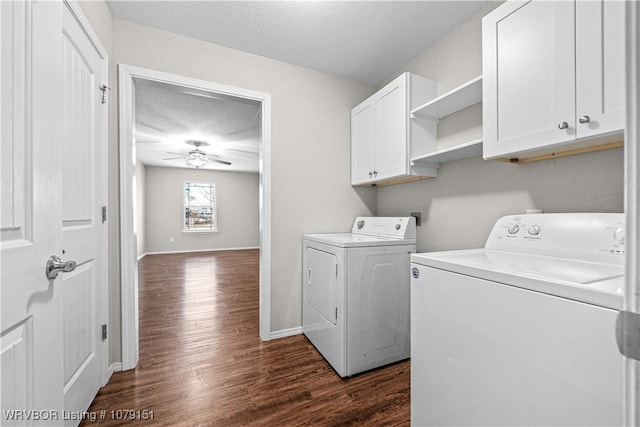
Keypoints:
pixel 460 206
pixel 310 142
pixel 237 210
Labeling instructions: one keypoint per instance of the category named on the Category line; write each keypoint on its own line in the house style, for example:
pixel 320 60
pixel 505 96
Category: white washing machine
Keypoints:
pixel 356 293
pixel 521 332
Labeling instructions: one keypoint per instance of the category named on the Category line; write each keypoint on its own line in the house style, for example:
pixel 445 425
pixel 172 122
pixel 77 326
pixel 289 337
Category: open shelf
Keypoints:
pixel 462 97
pixel 458 152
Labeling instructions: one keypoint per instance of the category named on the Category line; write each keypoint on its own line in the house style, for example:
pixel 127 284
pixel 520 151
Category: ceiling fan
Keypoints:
pixel 197 158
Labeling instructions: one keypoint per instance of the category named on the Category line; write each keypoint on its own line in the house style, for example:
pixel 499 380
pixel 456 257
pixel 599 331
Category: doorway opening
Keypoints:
pixel 128 230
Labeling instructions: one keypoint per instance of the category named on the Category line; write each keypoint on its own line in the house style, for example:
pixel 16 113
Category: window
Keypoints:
pixel 200 213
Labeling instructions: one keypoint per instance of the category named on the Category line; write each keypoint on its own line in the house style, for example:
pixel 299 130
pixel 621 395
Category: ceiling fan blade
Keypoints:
pixel 174 158
pixel 177 154
pixel 242 151
pixel 147 125
pixel 220 161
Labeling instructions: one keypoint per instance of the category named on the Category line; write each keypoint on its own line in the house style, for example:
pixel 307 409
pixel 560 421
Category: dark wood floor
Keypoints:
pixel 202 361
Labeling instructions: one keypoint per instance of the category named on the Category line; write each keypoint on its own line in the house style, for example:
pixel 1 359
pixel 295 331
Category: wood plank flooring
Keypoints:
pixel 202 362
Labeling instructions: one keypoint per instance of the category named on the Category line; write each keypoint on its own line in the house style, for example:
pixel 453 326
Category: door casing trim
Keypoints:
pixel 128 251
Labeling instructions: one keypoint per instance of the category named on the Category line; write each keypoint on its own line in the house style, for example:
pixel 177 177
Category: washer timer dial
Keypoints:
pixel 513 229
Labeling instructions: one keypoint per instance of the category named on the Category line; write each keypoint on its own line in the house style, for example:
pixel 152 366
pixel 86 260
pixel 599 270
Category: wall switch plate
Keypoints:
pixel 418 217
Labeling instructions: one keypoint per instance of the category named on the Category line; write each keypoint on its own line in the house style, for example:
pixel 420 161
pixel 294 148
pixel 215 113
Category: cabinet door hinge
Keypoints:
pixel 336 313
pixel 104 332
pixel 104 214
pixel 628 334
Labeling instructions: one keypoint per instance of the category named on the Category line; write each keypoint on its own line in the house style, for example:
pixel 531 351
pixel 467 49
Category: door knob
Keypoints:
pixel 584 119
pixel 563 125
pixel 56 266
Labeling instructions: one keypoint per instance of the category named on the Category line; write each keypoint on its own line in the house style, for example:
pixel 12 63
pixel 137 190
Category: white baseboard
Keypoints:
pixel 286 332
pixel 201 250
pixel 114 367
pixel 142 256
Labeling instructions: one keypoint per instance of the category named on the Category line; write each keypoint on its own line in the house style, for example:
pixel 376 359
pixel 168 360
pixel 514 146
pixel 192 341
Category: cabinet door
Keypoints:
pixel 362 142
pixel 529 76
pixel 600 77
pixel 391 158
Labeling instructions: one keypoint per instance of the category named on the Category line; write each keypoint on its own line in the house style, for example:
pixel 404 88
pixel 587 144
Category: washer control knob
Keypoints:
pixel 618 235
pixel 415 273
pixel 398 226
pixel 360 224
pixel 534 230
pixel 513 229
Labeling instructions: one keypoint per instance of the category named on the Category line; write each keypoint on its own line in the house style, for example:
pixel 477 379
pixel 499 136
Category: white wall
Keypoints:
pixel 460 206
pixel 237 210
pixel 140 212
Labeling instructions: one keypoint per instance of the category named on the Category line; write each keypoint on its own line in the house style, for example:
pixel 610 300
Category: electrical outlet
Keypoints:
pixel 418 217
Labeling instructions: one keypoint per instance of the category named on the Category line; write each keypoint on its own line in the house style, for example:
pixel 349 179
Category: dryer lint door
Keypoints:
pixel 321 283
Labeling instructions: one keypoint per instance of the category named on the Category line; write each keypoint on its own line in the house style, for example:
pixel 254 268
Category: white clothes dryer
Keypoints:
pixel 356 293
pixel 522 331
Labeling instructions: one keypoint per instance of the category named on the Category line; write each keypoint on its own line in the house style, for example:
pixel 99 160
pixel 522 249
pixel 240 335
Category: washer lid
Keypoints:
pixel 590 282
pixel 348 240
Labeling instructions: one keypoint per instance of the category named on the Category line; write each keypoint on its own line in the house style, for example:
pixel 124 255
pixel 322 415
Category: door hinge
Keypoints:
pixel 104 214
pixel 336 313
pixel 104 332
pixel 104 89
pixel 628 334
pixel 336 270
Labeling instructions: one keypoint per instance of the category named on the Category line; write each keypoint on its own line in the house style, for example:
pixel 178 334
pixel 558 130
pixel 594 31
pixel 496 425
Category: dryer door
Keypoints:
pixel 321 283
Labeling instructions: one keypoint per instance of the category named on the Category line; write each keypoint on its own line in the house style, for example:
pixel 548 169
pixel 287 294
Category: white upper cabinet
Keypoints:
pixel 383 137
pixel 600 42
pixel 553 74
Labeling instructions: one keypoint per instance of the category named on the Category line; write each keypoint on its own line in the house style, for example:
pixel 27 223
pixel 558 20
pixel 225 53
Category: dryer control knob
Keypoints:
pixel 534 230
pixel 360 224
pixel 398 226
pixel 513 229
pixel 618 235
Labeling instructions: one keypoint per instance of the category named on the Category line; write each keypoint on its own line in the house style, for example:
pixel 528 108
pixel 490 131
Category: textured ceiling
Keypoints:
pixel 167 116
pixel 364 40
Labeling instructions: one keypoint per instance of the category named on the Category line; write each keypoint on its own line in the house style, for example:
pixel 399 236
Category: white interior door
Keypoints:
pixel 83 195
pixel 31 113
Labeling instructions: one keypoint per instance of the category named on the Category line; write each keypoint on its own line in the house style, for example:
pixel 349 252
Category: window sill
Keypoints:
pixel 199 231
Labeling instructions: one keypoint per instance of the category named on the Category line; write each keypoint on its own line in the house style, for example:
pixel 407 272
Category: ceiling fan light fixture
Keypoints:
pixel 196 161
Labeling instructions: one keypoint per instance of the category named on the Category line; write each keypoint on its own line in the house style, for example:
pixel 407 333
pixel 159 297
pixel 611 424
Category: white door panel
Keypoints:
pixel 31 113
pixel 83 231
pixel 52 187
